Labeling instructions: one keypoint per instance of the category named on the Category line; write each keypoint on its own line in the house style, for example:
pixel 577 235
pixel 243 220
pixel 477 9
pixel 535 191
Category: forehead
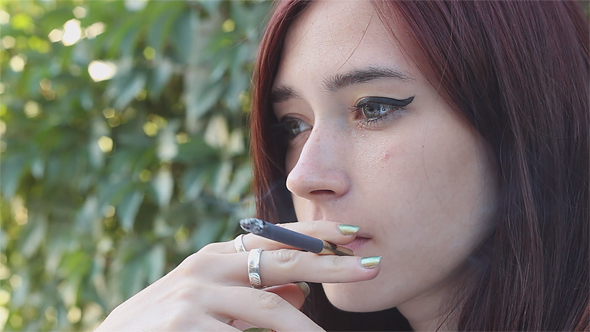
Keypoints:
pixel 337 35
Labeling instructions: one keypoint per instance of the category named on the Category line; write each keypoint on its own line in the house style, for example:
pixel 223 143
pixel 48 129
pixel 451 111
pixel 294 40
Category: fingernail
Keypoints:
pixel 258 329
pixel 304 288
pixel 370 262
pixel 348 229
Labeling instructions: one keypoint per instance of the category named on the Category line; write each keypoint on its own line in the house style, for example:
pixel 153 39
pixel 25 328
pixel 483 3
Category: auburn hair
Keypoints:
pixel 519 72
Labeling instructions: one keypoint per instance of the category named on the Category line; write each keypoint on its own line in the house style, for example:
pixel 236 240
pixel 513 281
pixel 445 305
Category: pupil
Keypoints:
pixel 293 128
pixel 371 111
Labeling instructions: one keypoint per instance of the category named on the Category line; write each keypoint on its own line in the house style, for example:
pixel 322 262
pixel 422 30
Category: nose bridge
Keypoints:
pixel 321 143
pixel 321 165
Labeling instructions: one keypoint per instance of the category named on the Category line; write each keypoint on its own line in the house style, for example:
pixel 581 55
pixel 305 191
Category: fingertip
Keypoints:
pixel 292 293
pixel 348 229
pixel 371 262
pixel 304 288
pixel 371 266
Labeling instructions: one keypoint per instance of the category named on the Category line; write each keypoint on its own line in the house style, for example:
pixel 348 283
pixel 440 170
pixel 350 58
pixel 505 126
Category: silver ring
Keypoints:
pixel 254 268
pixel 239 243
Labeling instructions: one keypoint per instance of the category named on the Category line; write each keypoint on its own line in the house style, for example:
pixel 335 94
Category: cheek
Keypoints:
pixel 437 174
pixel 425 192
pixel 431 196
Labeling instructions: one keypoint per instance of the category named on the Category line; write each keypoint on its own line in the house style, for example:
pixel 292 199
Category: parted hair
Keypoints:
pixel 518 72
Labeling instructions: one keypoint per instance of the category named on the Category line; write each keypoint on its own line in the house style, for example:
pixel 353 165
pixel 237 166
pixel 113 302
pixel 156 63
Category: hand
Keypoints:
pixel 210 290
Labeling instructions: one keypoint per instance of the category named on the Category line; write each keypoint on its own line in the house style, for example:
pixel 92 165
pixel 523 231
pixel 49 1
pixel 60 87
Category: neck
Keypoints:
pixel 432 311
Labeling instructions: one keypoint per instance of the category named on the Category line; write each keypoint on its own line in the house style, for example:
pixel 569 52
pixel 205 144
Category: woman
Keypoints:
pixel 446 143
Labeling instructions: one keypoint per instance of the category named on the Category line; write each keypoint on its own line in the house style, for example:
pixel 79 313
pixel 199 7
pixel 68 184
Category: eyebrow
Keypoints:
pixel 282 93
pixel 339 81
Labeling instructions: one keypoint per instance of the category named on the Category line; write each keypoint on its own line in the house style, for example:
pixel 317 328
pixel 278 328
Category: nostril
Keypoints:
pixel 322 192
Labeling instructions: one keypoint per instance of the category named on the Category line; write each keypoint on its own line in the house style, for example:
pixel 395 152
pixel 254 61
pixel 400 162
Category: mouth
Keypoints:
pixel 358 242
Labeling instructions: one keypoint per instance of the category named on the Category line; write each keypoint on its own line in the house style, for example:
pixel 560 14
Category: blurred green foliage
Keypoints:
pixel 109 182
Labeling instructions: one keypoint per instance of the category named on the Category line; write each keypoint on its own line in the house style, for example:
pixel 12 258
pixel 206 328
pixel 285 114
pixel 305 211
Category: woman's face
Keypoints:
pixel 373 144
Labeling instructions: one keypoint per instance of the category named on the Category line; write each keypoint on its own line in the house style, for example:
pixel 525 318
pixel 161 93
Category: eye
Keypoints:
pixel 291 127
pixel 375 108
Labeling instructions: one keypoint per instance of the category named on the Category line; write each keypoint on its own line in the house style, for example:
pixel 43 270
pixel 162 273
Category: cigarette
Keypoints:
pixel 294 239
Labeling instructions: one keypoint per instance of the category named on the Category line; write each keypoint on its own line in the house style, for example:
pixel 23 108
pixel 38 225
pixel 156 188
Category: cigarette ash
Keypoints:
pixel 252 225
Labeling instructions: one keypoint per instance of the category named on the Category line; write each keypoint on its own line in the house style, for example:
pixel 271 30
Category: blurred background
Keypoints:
pixel 123 147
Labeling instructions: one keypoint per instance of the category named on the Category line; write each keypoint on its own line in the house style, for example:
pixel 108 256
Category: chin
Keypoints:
pixel 355 297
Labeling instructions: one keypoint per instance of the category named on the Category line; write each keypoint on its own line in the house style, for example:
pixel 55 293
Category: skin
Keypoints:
pixel 210 291
pixel 418 182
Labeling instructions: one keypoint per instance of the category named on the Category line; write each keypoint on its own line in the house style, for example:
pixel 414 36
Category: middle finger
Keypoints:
pixel 278 267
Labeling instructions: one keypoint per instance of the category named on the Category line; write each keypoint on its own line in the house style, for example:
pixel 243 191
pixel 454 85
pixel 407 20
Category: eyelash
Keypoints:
pixel 391 105
pixel 286 126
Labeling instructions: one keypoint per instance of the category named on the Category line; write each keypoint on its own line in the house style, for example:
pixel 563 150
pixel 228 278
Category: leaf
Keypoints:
pixel 196 152
pixel 160 28
pixel 155 261
pixel 184 38
pixel 75 265
pixel 240 183
pixel 68 289
pixel 127 209
pixel 10 174
pixel 86 100
pixel 58 241
pixel 217 133
pixel 130 39
pixel 98 129
pixel 161 76
pixel 221 178
pixel 219 70
pixel 167 147
pixel 20 293
pixel 121 79
pixel 38 168
pixel 34 235
pixel 131 278
pixel 119 32
pixel 163 185
pixel 128 93
pixel 193 182
pixel 212 6
pixel 235 145
pixel 87 215
pixel 199 98
pixel 239 83
pixel 206 233
pixel 112 191
pixel 95 154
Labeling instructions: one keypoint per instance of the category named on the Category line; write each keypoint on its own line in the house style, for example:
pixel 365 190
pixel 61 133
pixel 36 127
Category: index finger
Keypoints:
pixel 330 231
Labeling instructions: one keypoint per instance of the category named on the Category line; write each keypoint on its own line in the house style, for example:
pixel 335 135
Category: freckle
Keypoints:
pixel 385 156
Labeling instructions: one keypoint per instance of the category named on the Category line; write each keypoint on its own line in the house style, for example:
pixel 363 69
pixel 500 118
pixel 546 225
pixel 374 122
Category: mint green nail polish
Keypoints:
pixel 304 288
pixel 370 262
pixel 348 229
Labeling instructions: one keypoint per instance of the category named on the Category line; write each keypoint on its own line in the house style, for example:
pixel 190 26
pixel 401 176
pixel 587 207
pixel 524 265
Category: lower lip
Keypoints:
pixel 356 244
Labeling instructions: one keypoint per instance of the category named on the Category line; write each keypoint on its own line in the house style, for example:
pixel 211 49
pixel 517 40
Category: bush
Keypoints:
pixel 108 182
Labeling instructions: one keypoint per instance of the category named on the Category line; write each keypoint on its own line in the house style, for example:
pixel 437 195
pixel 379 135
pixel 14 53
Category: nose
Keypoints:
pixel 320 168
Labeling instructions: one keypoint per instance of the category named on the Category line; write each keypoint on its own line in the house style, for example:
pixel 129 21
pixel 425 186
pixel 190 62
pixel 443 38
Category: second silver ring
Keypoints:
pixel 239 243
pixel 254 268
